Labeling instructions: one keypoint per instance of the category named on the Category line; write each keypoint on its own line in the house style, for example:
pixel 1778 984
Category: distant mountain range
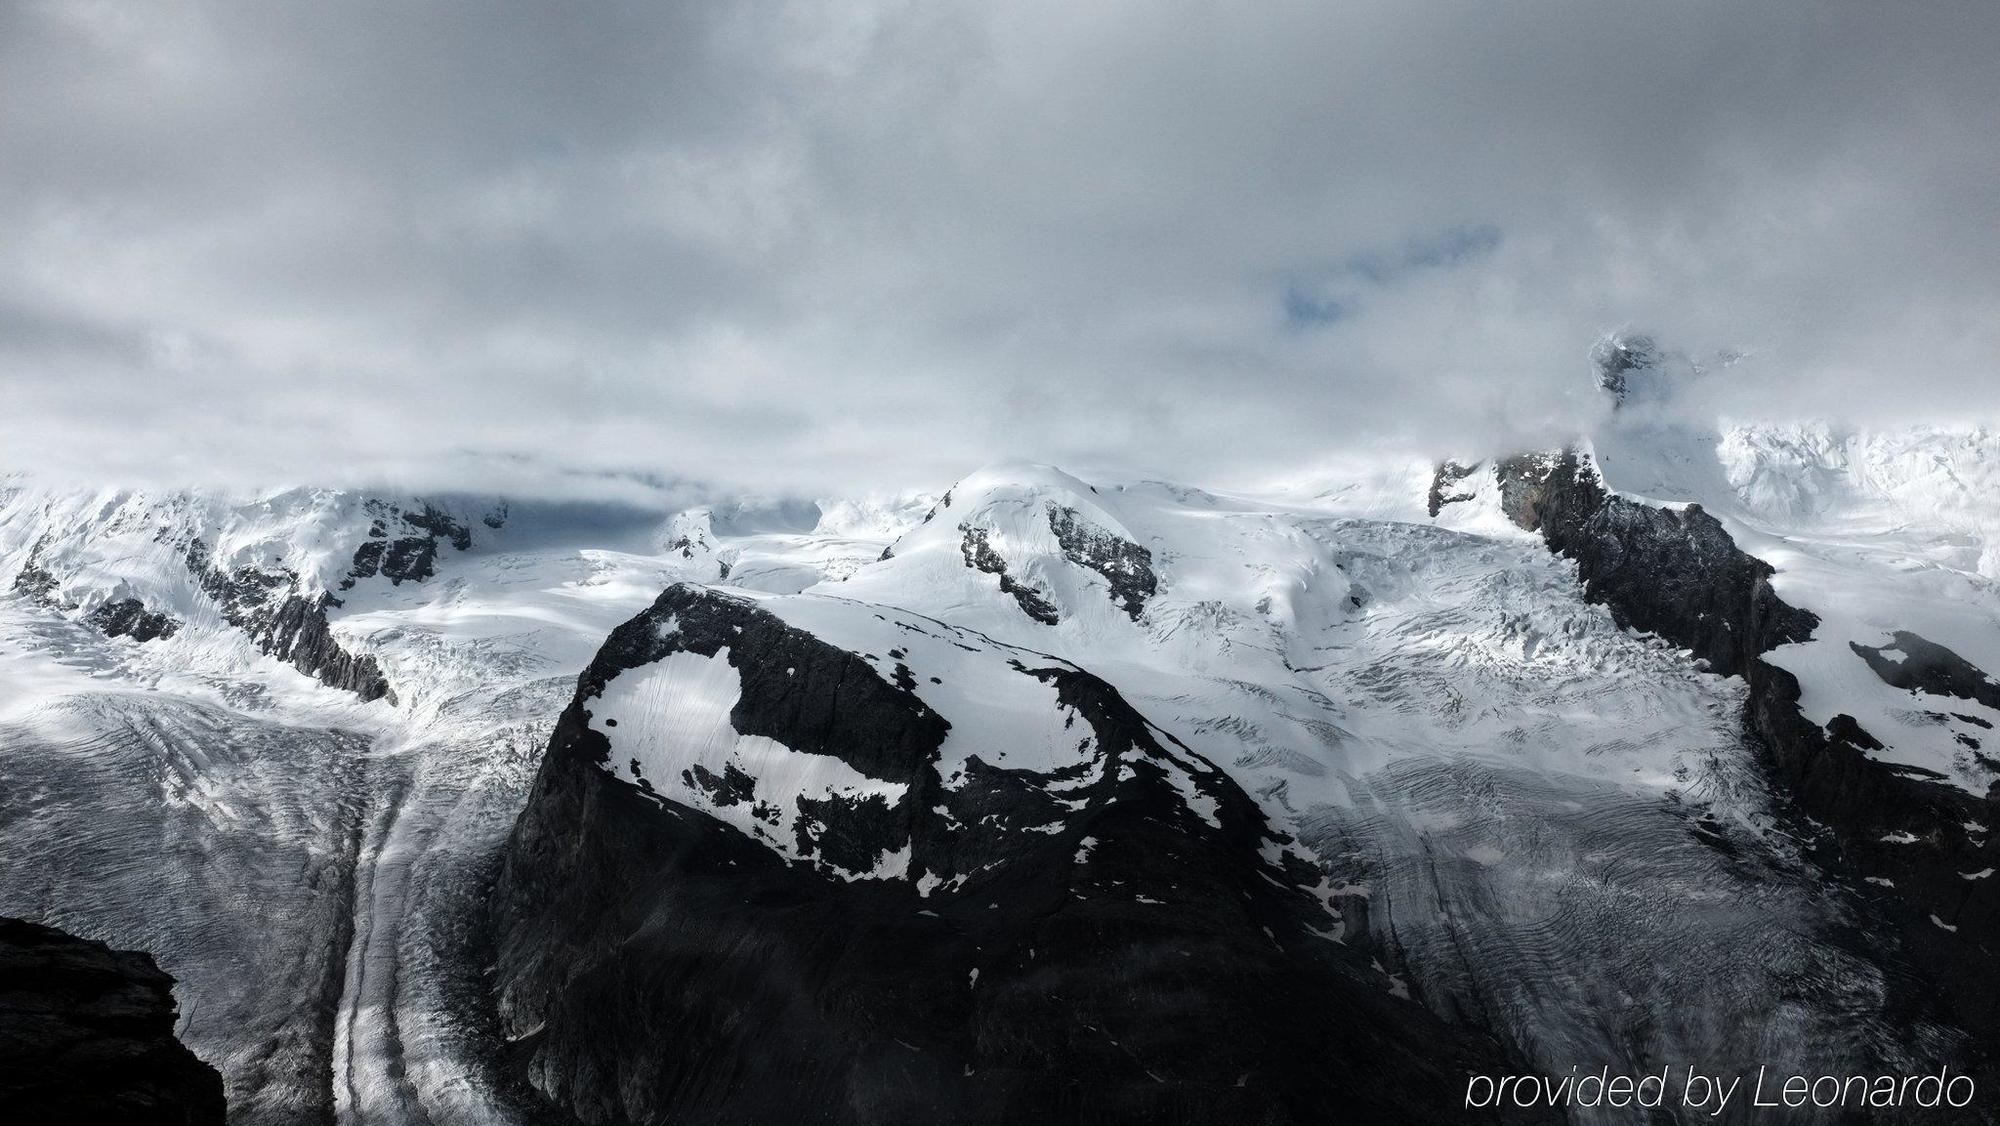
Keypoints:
pixel 1039 798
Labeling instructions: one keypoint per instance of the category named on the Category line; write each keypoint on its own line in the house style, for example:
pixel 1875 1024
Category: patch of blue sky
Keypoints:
pixel 1330 294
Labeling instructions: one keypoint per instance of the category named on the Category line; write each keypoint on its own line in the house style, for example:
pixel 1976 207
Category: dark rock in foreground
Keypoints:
pixel 87 1037
pixel 1119 958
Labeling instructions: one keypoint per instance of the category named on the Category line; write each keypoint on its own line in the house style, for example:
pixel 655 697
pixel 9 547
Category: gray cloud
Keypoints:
pixel 816 246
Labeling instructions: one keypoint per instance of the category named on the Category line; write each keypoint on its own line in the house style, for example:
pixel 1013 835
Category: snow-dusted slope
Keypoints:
pixel 1484 776
pixel 1267 630
pixel 1879 534
pixel 1466 746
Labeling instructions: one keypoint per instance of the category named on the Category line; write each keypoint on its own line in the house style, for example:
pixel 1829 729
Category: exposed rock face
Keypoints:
pixel 123 617
pixel 1680 575
pixel 411 556
pixel 87 1036
pixel 979 554
pixel 111 564
pixel 128 617
pixel 689 534
pixel 1921 665
pixel 289 625
pixel 37 583
pixel 1671 572
pixel 1124 564
pixel 1109 942
pixel 1445 481
pixel 402 546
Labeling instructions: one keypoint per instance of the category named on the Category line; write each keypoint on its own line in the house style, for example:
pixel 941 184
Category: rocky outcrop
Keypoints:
pixel 1913 846
pixel 1615 360
pixel 37 583
pixel 289 625
pixel 87 1036
pixel 1445 481
pixel 286 617
pixel 1674 572
pixel 1124 564
pixel 1922 665
pixel 977 547
pixel 412 555
pixel 122 617
pixel 128 617
pixel 1109 943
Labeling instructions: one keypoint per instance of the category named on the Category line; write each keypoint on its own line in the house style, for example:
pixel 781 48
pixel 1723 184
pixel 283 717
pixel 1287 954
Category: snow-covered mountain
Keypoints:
pixel 302 850
pixel 1039 797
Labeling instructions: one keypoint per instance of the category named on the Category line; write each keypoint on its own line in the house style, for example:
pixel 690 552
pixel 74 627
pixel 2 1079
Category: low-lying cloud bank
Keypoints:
pixel 793 245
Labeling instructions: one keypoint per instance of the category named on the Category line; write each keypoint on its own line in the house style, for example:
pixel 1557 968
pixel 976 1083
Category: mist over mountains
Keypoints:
pixel 795 249
pixel 877 563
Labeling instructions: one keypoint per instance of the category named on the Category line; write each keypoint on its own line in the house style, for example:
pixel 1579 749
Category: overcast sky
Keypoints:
pixel 827 246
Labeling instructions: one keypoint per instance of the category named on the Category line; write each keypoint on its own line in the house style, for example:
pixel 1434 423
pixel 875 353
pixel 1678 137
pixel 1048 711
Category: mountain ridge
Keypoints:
pixel 1500 787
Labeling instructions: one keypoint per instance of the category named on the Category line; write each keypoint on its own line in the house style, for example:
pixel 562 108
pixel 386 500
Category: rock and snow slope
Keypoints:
pixel 1870 731
pixel 1526 817
pixel 1877 535
pixel 1364 740
pixel 913 874
pixel 304 854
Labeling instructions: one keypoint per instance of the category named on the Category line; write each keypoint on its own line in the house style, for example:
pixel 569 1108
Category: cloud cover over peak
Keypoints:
pixel 796 245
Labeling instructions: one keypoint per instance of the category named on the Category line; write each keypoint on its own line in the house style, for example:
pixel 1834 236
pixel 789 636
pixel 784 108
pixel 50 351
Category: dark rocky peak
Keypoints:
pixel 1103 942
pixel 866 710
pixel 1671 571
pixel 1909 842
pixel 796 707
pixel 87 1036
